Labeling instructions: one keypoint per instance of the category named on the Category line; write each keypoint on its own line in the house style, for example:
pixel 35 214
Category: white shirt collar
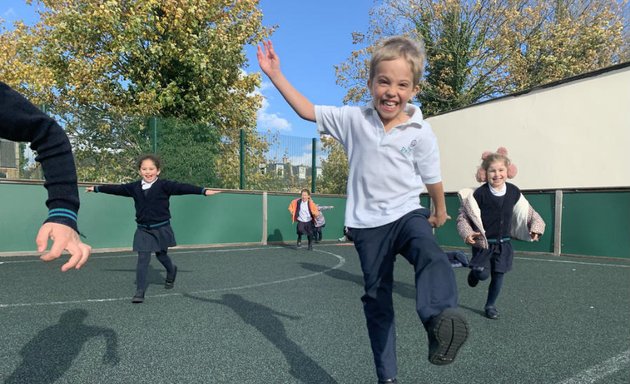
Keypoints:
pixel 414 112
pixel 147 185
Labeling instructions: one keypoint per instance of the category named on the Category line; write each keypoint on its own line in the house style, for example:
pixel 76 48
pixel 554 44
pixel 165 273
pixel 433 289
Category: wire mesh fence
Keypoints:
pixel 106 149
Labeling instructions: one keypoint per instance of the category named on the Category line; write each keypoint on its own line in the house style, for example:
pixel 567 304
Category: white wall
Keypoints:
pixel 572 135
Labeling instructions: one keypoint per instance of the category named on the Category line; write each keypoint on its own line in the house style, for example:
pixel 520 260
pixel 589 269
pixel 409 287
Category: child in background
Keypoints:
pixel 489 218
pixel 20 120
pixel 392 153
pixel 320 222
pixel 154 233
pixel 305 212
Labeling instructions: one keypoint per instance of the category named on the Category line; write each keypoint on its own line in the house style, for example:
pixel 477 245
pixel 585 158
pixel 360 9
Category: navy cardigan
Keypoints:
pixel 152 208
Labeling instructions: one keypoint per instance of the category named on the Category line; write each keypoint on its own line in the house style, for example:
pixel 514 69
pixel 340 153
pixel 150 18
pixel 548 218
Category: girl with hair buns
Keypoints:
pixel 489 218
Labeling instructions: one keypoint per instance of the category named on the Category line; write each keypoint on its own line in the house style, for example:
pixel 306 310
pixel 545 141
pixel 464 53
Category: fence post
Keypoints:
pixel 313 166
pixel 242 160
pixel 153 129
pixel 557 230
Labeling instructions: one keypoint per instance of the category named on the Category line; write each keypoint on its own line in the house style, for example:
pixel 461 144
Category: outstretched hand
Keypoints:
pixel 209 192
pixel 267 59
pixel 64 238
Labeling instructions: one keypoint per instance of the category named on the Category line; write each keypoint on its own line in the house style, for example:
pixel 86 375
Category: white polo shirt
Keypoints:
pixel 387 170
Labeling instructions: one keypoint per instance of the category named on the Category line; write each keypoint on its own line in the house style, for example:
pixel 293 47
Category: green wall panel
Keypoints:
pixel 593 223
pixel 596 223
pixel 22 210
pixel 543 203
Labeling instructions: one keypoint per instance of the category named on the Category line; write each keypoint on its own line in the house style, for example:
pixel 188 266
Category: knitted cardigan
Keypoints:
pixel 524 219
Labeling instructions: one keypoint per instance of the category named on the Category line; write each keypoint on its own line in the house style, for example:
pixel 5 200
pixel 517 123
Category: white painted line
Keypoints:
pixel 340 263
pixel 95 257
pixel 575 262
pixel 598 372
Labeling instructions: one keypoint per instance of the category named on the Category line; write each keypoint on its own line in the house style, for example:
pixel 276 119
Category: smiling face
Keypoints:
pixel 305 196
pixel 497 174
pixel 391 88
pixel 149 171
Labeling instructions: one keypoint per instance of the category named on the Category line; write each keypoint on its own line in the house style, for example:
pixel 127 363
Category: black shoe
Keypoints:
pixel 472 280
pixel 138 297
pixel 447 333
pixel 170 281
pixel 310 246
pixel 492 313
pixel 388 381
pixel 299 244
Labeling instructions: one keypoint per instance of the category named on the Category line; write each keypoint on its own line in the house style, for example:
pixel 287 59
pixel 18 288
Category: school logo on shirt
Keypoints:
pixel 409 149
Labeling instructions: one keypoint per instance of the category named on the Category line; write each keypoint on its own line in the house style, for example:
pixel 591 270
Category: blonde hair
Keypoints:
pixel 400 46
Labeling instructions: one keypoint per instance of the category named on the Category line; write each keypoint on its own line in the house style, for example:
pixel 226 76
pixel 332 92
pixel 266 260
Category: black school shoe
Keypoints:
pixel 138 297
pixel 492 313
pixel 447 333
pixel 169 283
pixel 472 280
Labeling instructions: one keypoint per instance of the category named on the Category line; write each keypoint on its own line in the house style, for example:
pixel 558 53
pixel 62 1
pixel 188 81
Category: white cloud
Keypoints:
pixel 271 121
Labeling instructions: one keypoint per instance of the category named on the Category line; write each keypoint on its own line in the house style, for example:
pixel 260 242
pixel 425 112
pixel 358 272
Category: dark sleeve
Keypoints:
pixel 20 120
pixel 175 188
pixel 119 190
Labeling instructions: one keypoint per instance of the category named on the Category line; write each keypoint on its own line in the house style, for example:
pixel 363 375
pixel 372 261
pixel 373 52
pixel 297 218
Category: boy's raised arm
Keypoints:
pixel 270 64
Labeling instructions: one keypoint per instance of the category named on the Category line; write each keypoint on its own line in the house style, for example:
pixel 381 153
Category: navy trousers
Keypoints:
pixel 412 237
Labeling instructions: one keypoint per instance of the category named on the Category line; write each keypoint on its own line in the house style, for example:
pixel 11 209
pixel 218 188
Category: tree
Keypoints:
pixel 334 167
pixel 114 63
pixel 487 48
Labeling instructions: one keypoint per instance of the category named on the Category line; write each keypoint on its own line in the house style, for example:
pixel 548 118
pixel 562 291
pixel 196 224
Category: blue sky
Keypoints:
pixel 312 37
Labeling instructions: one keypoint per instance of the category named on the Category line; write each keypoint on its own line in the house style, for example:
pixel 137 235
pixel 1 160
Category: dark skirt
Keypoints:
pixel 154 239
pixel 304 228
pixel 498 257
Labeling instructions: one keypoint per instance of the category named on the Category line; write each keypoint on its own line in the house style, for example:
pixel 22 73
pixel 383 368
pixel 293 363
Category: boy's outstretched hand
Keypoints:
pixel 267 59
pixel 64 238
pixel 209 192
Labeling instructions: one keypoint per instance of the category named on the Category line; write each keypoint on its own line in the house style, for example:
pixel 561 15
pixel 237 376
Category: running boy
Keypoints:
pixel 391 152
pixel 20 120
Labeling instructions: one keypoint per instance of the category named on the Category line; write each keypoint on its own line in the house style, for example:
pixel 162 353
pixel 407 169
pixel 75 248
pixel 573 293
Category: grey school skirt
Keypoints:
pixel 153 239
pixel 498 257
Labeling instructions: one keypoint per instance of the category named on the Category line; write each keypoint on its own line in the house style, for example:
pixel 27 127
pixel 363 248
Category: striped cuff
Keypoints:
pixel 62 212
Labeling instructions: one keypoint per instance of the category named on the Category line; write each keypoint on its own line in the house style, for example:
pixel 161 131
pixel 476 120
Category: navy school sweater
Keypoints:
pixel 153 207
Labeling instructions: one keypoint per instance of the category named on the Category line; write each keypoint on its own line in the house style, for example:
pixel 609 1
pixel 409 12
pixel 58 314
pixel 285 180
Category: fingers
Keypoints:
pixel 79 254
pixel 42 238
pixel 59 238
pixel 64 238
pixel 59 244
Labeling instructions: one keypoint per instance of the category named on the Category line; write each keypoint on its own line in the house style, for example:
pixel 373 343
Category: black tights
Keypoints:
pixel 496 282
pixel 143 267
